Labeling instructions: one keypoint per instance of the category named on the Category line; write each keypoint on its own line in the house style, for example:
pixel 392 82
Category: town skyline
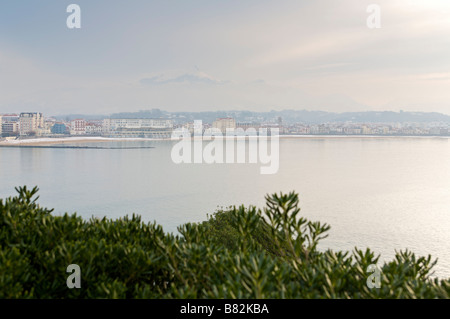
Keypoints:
pixel 402 116
pixel 162 125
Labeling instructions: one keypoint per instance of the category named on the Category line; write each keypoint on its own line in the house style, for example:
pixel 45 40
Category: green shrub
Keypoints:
pixel 238 253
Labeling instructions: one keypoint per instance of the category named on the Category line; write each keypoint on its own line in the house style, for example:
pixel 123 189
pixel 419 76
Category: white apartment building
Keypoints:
pixel 78 127
pixel 9 124
pixel 29 123
pixel 10 127
pixel 137 127
pixel 223 123
pixel 114 124
pixel 93 128
pixel 10 118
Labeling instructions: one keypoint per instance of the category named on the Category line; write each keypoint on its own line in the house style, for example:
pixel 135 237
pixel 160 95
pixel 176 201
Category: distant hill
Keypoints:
pixel 288 116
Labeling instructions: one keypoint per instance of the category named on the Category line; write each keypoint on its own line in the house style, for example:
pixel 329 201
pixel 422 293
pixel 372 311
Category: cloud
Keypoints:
pixel 327 45
pixel 435 77
pixel 188 78
pixel 258 81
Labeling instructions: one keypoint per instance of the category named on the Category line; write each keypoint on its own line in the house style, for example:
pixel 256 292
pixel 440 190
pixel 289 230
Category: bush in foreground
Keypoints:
pixel 238 253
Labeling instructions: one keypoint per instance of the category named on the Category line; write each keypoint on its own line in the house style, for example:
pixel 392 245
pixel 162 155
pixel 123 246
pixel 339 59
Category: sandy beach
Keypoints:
pixel 97 139
pixel 66 140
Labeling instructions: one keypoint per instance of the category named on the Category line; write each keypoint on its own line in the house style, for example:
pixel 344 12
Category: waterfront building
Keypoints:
pixel 59 129
pixel 78 127
pixel 366 130
pixel 10 118
pixel 223 124
pixel 10 128
pixel 93 128
pixel 9 124
pixel 144 128
pixel 247 125
pixel 29 123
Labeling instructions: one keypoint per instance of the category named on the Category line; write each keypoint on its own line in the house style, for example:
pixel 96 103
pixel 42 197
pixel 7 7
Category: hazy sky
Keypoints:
pixel 197 55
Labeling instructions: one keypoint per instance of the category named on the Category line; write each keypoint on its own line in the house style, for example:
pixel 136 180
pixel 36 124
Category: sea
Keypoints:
pixel 386 193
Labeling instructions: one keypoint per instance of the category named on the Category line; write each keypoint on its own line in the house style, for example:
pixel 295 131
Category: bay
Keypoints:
pixel 380 192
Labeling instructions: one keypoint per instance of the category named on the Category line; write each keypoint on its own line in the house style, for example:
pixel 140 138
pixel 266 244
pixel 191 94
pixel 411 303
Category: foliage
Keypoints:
pixel 238 253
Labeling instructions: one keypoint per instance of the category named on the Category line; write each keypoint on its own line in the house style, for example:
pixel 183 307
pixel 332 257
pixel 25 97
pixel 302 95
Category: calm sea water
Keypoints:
pixel 384 193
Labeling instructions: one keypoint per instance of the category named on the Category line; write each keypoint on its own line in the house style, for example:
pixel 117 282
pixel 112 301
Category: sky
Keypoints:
pixel 200 55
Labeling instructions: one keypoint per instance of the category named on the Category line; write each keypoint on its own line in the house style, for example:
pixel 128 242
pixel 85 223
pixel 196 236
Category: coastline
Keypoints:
pixel 63 140
pixel 97 139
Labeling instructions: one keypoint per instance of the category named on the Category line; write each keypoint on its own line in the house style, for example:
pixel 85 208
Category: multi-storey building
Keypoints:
pixel 9 124
pixel 29 123
pixel 223 124
pixel 247 125
pixel 10 128
pixel 59 129
pixel 149 128
pixel 93 128
pixel 78 127
pixel 10 118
